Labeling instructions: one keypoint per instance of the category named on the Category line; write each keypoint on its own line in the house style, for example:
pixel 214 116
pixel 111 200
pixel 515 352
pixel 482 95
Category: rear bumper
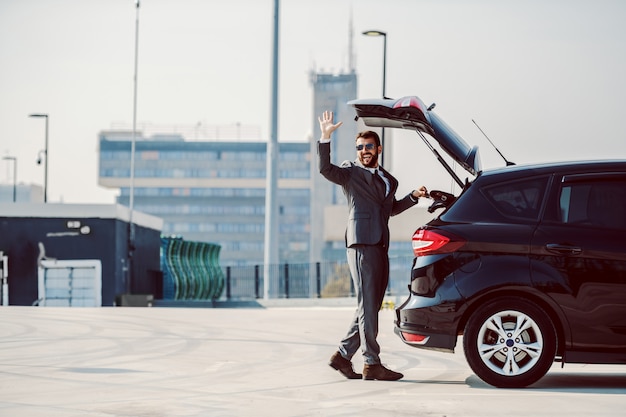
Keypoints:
pixel 430 321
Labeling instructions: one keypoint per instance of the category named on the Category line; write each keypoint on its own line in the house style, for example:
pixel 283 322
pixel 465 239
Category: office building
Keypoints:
pixel 213 191
pixel 331 92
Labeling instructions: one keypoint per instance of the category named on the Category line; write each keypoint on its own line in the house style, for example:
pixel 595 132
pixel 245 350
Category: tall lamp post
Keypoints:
pixel 134 135
pixel 384 35
pixel 271 255
pixel 14 159
pixel 131 198
pixel 45 152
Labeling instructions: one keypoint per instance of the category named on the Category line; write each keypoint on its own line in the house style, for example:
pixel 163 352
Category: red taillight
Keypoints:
pixel 414 338
pixel 426 242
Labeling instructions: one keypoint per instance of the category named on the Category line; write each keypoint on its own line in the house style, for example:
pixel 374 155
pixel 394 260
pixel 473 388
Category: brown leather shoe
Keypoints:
pixel 379 372
pixel 344 366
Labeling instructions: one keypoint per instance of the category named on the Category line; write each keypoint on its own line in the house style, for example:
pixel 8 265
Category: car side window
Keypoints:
pixel 596 203
pixel 518 198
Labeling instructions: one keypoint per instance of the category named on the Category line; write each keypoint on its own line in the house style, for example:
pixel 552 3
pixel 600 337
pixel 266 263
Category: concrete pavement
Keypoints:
pixel 266 361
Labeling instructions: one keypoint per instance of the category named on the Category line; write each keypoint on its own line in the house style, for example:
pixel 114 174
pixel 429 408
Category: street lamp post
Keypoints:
pixel 271 238
pixel 131 201
pixel 14 159
pixel 45 175
pixel 131 197
pixel 384 35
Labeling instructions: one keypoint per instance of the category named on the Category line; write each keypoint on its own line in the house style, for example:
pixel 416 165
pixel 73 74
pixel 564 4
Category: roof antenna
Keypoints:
pixel 508 163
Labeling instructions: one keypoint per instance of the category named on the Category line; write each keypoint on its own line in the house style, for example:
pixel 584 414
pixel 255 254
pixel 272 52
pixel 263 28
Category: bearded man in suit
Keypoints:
pixel 370 191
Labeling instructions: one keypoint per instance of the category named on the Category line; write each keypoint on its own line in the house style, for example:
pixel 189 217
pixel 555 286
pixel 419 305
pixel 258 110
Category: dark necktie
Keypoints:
pixel 380 184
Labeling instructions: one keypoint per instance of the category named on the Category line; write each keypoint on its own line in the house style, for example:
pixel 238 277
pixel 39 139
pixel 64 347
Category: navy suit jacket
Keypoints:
pixel 368 209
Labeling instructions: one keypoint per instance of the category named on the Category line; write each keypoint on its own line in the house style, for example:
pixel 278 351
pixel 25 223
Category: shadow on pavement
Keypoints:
pixel 576 381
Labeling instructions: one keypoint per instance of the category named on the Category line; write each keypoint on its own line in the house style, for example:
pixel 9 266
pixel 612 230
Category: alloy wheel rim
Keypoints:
pixel 510 343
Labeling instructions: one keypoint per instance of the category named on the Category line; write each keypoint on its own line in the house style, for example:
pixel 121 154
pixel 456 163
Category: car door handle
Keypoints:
pixel 564 249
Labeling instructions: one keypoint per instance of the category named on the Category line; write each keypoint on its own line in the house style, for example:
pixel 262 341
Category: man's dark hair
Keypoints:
pixel 368 134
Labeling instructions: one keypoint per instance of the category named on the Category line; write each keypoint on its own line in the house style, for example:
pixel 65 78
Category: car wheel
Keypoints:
pixel 510 342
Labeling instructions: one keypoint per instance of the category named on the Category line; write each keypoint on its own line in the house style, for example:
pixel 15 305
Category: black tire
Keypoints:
pixel 504 353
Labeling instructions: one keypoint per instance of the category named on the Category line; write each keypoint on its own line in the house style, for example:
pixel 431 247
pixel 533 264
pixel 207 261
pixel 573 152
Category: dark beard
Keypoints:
pixel 373 161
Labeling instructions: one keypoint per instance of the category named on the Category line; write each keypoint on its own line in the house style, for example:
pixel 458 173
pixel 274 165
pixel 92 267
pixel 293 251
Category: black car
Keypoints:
pixel 528 263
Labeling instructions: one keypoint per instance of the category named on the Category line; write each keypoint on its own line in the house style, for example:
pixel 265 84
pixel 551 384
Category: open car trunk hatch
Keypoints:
pixel 411 113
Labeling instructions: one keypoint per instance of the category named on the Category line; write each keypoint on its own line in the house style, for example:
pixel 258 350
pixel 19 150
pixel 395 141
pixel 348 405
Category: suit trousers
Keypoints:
pixel 369 267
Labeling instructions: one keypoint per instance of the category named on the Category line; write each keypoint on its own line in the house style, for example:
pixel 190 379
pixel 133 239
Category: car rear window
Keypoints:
pixel 596 203
pixel 511 201
pixel 518 198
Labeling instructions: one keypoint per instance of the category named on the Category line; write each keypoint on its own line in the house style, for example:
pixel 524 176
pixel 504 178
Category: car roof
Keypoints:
pixel 606 165
pixel 563 165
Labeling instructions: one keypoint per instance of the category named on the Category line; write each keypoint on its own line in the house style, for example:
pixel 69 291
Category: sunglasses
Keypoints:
pixel 368 146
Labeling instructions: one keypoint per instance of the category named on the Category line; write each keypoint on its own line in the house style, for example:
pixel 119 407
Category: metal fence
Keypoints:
pixel 319 280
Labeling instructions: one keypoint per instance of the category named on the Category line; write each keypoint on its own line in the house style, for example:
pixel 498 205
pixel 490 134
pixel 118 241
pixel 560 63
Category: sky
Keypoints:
pixel 544 79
